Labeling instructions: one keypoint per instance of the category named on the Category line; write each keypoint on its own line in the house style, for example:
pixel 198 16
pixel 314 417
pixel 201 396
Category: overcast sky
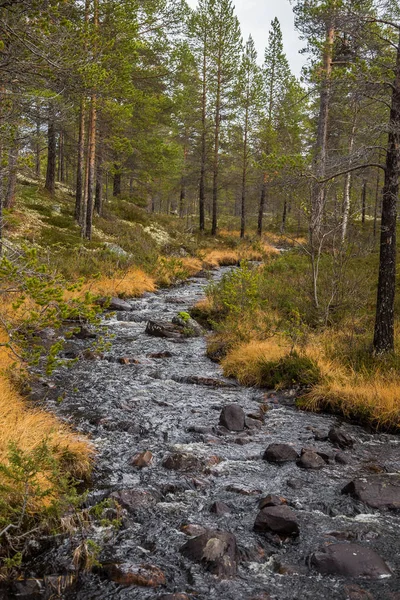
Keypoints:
pixel 255 17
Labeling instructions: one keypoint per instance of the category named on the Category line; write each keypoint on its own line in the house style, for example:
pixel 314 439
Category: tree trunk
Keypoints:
pixel 37 149
pixel 216 148
pixel 98 201
pixel 284 216
pixel 50 184
pixel 80 170
pixel 61 169
pixel 12 176
pixel 318 189
pixel 117 184
pixel 244 176
pixel 378 181
pixel 363 202
pixel 262 206
pixel 91 168
pixel 347 185
pixel 384 320
pixel 202 193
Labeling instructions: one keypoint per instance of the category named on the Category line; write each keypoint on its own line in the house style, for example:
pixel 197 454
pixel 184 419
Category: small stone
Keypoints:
pixel 159 355
pixel 216 550
pixel 163 329
pixel 340 438
pixel 205 381
pixel 143 459
pixel 353 592
pixel 320 436
pixel 253 423
pixel 192 529
pixel 280 453
pixel 288 569
pixel 376 491
pixel 127 360
pixel 131 574
pixel 220 508
pixel 271 500
pixel 242 490
pixel 342 459
pixel 182 462
pixel 350 560
pixel 311 460
pixel 134 499
pixel 232 417
pixel 277 519
pixel 295 484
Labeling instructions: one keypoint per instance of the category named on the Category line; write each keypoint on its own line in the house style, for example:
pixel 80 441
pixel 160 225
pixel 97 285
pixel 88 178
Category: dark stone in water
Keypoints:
pixel 340 438
pixel 232 417
pixel 354 592
pixel 163 329
pixel 376 491
pixel 178 461
pixel 311 460
pixel 271 500
pixel 216 550
pixel 277 519
pixel 143 459
pixel 280 453
pixel 160 355
pixel 84 334
pixel 349 560
pixel 342 459
pixel 320 436
pixel 134 500
pixel 130 574
pixel 220 508
pixel 173 597
pixel 206 381
pixel 253 423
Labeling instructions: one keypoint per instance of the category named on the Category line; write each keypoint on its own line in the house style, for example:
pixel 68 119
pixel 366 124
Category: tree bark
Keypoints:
pixel 363 202
pixel 37 149
pixel 98 201
pixel 384 319
pixel 378 181
pixel 214 225
pixel 262 206
pixel 50 184
pixel 244 175
pixel 202 193
pixel 80 170
pixel 117 184
pixel 347 185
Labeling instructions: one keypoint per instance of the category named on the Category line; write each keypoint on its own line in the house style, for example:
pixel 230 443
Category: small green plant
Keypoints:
pixel 184 316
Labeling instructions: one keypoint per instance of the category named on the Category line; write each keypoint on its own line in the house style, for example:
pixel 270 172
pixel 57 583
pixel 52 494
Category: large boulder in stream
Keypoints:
pixel 181 461
pixel 280 453
pixel 232 417
pixel 216 550
pixel 377 491
pixel 350 560
pixel 163 329
pixel 143 575
pixel 340 438
pixel 277 519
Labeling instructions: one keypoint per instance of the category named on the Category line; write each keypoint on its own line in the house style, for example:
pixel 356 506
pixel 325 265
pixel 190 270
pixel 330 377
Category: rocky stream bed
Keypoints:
pixel 227 493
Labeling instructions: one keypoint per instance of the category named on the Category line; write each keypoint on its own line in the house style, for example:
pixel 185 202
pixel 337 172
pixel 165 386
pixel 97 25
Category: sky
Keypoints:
pixel 255 18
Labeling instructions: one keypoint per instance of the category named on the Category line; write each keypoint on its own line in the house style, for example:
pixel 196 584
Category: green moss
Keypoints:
pixel 293 369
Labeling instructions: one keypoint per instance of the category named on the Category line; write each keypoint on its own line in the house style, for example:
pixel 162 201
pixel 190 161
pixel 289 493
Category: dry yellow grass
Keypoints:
pixel 243 362
pixel 223 258
pixel 192 265
pixel 132 283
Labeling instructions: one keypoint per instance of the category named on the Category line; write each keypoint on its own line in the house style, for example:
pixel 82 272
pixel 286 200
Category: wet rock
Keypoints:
pixel 342 459
pixel 115 304
pixel 311 460
pixel 206 381
pixel 128 360
pixel 376 491
pixel 30 589
pixel 130 574
pixel 134 500
pixel 204 429
pixel 143 459
pixel 190 326
pixel 320 435
pixel 242 490
pixel 159 355
pixel 216 550
pixel 232 417
pixel 173 597
pixel 295 484
pixel 84 334
pixel 178 461
pixel 280 453
pixel 192 529
pixel 163 329
pixel 349 560
pixel 254 554
pixel 174 300
pixel 277 519
pixel 253 423
pixel 220 508
pixel 271 500
pixel 340 438
pixel 288 569
pixel 354 592
pixel 258 416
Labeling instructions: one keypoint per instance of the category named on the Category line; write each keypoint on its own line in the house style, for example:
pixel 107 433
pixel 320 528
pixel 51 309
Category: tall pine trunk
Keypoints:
pixel 347 184
pixel 98 201
pixel 80 169
pixel 202 194
pixel 262 205
pixel 91 168
pixel 384 319
pixel 244 176
pixel 50 184
pixel 216 149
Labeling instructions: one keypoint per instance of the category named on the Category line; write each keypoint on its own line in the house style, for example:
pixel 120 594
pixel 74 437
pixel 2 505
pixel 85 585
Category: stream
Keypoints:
pixel 151 404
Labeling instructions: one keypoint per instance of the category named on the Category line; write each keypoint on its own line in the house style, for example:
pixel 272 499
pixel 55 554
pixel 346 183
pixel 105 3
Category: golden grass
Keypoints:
pixel 243 362
pixel 132 283
pixel 225 257
pixel 192 265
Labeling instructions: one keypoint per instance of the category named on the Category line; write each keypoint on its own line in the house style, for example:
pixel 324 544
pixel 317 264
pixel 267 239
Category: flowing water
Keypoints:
pixel 129 408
